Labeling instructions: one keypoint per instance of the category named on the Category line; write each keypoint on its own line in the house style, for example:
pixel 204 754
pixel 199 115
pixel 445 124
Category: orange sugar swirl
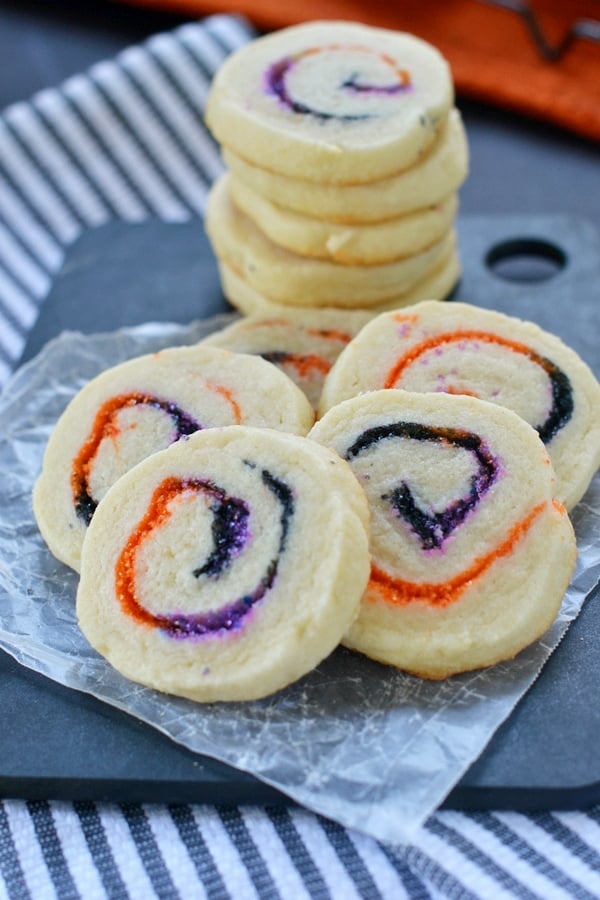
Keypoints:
pixel 398 592
pixel 562 404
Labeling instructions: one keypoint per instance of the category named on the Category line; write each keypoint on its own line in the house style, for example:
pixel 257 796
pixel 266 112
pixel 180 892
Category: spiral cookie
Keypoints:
pixel 141 406
pixel 471 555
pixel 304 343
pixel 437 284
pixel 283 277
pixel 331 101
pixel 458 348
pixel 439 173
pixel 377 242
pixel 226 566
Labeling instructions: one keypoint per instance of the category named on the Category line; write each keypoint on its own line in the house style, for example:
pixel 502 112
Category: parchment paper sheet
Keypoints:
pixel 363 744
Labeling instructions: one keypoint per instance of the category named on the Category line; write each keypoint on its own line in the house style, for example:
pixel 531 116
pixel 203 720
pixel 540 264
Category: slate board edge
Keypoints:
pixel 464 795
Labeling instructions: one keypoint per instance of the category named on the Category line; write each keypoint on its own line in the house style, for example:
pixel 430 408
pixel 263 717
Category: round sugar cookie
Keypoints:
pixel 304 343
pixel 331 101
pixel 462 349
pixel 439 173
pixel 378 242
pixel 283 276
pixel 437 285
pixel 471 555
pixel 141 406
pixel 227 566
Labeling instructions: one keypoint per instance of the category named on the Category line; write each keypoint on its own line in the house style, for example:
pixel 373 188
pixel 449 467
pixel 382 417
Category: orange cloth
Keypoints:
pixel 491 52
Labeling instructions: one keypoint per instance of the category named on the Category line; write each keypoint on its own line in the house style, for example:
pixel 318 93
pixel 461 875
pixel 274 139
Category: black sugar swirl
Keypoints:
pixel 432 529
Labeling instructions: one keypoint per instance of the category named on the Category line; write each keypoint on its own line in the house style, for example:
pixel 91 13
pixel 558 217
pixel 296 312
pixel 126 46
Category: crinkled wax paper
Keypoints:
pixel 362 743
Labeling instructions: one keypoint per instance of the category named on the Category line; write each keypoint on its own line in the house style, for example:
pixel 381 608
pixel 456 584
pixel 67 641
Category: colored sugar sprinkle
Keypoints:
pixel 398 592
pixel 302 363
pixel 230 535
pixel 276 75
pixel 104 425
pixel 562 405
pixel 432 529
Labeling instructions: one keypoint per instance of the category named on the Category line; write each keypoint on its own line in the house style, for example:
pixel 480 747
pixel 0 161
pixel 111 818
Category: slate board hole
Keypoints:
pixel 525 260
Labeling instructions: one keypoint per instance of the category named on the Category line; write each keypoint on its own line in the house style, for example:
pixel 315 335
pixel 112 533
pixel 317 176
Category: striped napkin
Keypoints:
pixel 126 141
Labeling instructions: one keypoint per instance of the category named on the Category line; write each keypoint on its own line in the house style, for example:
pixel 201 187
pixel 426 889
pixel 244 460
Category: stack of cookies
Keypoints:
pixel 344 154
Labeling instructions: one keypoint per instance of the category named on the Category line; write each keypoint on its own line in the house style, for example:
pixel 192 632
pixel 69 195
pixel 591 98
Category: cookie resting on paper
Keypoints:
pixel 226 566
pixel 304 343
pixel 471 553
pixel 462 349
pixel 138 407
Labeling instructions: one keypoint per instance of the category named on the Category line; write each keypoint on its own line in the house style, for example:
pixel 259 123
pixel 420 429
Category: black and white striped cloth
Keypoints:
pixel 126 141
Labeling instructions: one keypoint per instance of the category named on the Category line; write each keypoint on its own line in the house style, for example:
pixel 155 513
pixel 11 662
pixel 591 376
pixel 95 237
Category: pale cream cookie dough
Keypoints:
pixel 439 173
pixel 331 101
pixel 437 285
pixel 226 566
pixel 471 553
pixel 304 343
pixel 377 242
pixel 284 277
pixel 141 406
pixel 463 349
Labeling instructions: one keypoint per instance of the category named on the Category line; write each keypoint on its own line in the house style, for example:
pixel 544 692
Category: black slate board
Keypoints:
pixel 65 745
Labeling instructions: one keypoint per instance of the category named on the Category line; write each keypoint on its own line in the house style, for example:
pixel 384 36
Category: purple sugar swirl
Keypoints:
pixel 276 76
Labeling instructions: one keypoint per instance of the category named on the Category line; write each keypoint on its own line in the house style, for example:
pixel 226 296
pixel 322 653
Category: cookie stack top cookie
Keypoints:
pixel 471 553
pixel 331 102
pixel 345 153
